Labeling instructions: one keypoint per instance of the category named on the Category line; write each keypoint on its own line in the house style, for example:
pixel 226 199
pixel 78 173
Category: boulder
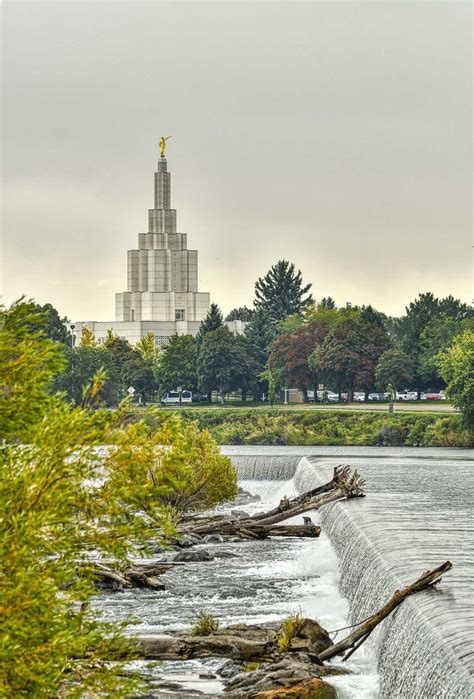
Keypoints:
pixel 194 556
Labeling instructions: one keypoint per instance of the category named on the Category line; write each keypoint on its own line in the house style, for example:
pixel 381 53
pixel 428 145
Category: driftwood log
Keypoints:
pixel 344 484
pixel 136 575
pixel 363 631
pixel 259 642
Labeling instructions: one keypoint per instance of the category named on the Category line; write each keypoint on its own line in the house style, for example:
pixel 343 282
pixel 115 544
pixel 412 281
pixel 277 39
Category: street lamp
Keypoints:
pixel 72 328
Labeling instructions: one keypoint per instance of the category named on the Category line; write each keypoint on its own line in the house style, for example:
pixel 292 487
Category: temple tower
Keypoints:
pixel 162 274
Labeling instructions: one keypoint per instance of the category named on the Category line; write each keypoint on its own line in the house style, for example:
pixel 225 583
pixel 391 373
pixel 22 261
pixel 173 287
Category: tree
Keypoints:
pixel 394 367
pixel 435 338
pixel 267 375
pixel 420 313
pixel 87 338
pixel 289 356
pixel 240 313
pixel 213 320
pixel 55 511
pixel 248 366
pixel 327 302
pixel 281 292
pixel 51 324
pixel 129 368
pixel 261 331
pixel 82 363
pixel 217 362
pixel 456 366
pixel 350 352
pixel 179 364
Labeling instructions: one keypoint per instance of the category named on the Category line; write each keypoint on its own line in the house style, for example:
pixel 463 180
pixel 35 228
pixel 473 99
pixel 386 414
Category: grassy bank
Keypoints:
pixel 330 428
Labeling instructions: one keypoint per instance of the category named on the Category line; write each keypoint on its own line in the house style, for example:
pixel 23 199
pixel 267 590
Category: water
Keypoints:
pixel 262 581
pixel 416 515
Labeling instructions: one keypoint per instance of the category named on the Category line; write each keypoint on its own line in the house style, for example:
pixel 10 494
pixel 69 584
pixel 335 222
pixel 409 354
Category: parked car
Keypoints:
pixel 433 396
pixel 378 396
pixel 173 398
pixel 407 395
pixel 359 396
pixel 323 396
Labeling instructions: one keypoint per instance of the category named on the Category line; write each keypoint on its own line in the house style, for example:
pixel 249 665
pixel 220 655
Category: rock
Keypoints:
pixel 239 514
pixel 308 689
pixel 187 540
pixel 224 554
pixel 213 539
pixel 193 556
pixel 310 637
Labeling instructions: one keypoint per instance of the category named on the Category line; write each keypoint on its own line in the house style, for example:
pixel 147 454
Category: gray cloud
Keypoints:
pixel 336 135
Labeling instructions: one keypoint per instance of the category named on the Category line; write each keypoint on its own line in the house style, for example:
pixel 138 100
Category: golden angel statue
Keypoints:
pixel 163 140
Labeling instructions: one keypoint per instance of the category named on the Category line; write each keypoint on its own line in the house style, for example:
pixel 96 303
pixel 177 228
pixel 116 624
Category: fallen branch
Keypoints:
pixel 343 485
pixel 136 575
pixel 359 635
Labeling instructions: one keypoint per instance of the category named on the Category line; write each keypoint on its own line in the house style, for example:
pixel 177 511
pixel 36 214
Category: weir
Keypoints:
pixel 414 517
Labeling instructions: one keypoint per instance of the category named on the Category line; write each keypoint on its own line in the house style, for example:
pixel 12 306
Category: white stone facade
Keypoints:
pixel 162 275
pixel 162 294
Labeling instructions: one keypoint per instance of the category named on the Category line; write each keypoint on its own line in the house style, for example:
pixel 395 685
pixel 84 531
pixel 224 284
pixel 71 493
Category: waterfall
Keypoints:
pixel 265 468
pixel 423 648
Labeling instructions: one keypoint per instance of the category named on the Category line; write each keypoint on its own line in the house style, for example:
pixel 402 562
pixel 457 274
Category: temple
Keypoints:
pixel 162 273
pixel 162 294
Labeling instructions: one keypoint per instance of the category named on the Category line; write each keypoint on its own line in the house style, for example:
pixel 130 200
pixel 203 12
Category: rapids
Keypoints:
pixel 415 516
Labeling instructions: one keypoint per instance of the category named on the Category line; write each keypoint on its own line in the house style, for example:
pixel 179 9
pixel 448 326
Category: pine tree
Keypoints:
pixel 281 292
pixel 212 321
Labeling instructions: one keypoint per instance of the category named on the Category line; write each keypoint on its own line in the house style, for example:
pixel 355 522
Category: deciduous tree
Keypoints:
pixel 179 364
pixel 394 367
pixel 456 366
pixel 218 358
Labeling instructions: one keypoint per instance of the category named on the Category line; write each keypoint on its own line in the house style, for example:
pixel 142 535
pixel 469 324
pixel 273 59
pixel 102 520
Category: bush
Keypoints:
pixel 288 631
pixel 391 436
pixel 329 427
pixel 193 459
pixel 205 625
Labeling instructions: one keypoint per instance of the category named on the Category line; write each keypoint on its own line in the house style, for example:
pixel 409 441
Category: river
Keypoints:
pixel 416 515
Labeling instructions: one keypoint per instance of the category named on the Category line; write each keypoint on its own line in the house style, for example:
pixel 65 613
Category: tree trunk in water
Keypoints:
pixel 357 637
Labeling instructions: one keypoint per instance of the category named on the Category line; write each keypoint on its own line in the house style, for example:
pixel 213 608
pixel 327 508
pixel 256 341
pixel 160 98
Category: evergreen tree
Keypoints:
pixel 212 321
pixel 281 292
pixel 327 302
pixel 261 331
pixel 240 313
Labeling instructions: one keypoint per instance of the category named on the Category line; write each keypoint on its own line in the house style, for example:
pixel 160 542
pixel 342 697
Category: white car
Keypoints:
pixel 359 397
pixel 407 395
pixel 172 398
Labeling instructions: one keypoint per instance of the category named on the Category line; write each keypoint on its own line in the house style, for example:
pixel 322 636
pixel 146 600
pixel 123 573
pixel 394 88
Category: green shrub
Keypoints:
pixel 288 631
pixel 205 625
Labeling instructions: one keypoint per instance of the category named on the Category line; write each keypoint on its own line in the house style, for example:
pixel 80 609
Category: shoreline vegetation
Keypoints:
pixel 274 426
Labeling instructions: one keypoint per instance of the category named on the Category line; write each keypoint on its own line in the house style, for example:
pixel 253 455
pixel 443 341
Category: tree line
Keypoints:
pixel 289 341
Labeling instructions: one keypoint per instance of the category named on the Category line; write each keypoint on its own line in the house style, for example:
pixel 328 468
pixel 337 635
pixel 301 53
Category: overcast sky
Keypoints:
pixel 336 135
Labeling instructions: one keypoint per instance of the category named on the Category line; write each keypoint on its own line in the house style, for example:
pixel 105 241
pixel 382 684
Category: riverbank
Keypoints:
pixel 330 427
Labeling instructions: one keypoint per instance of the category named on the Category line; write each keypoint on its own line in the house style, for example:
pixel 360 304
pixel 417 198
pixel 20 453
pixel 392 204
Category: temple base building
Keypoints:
pixel 162 294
